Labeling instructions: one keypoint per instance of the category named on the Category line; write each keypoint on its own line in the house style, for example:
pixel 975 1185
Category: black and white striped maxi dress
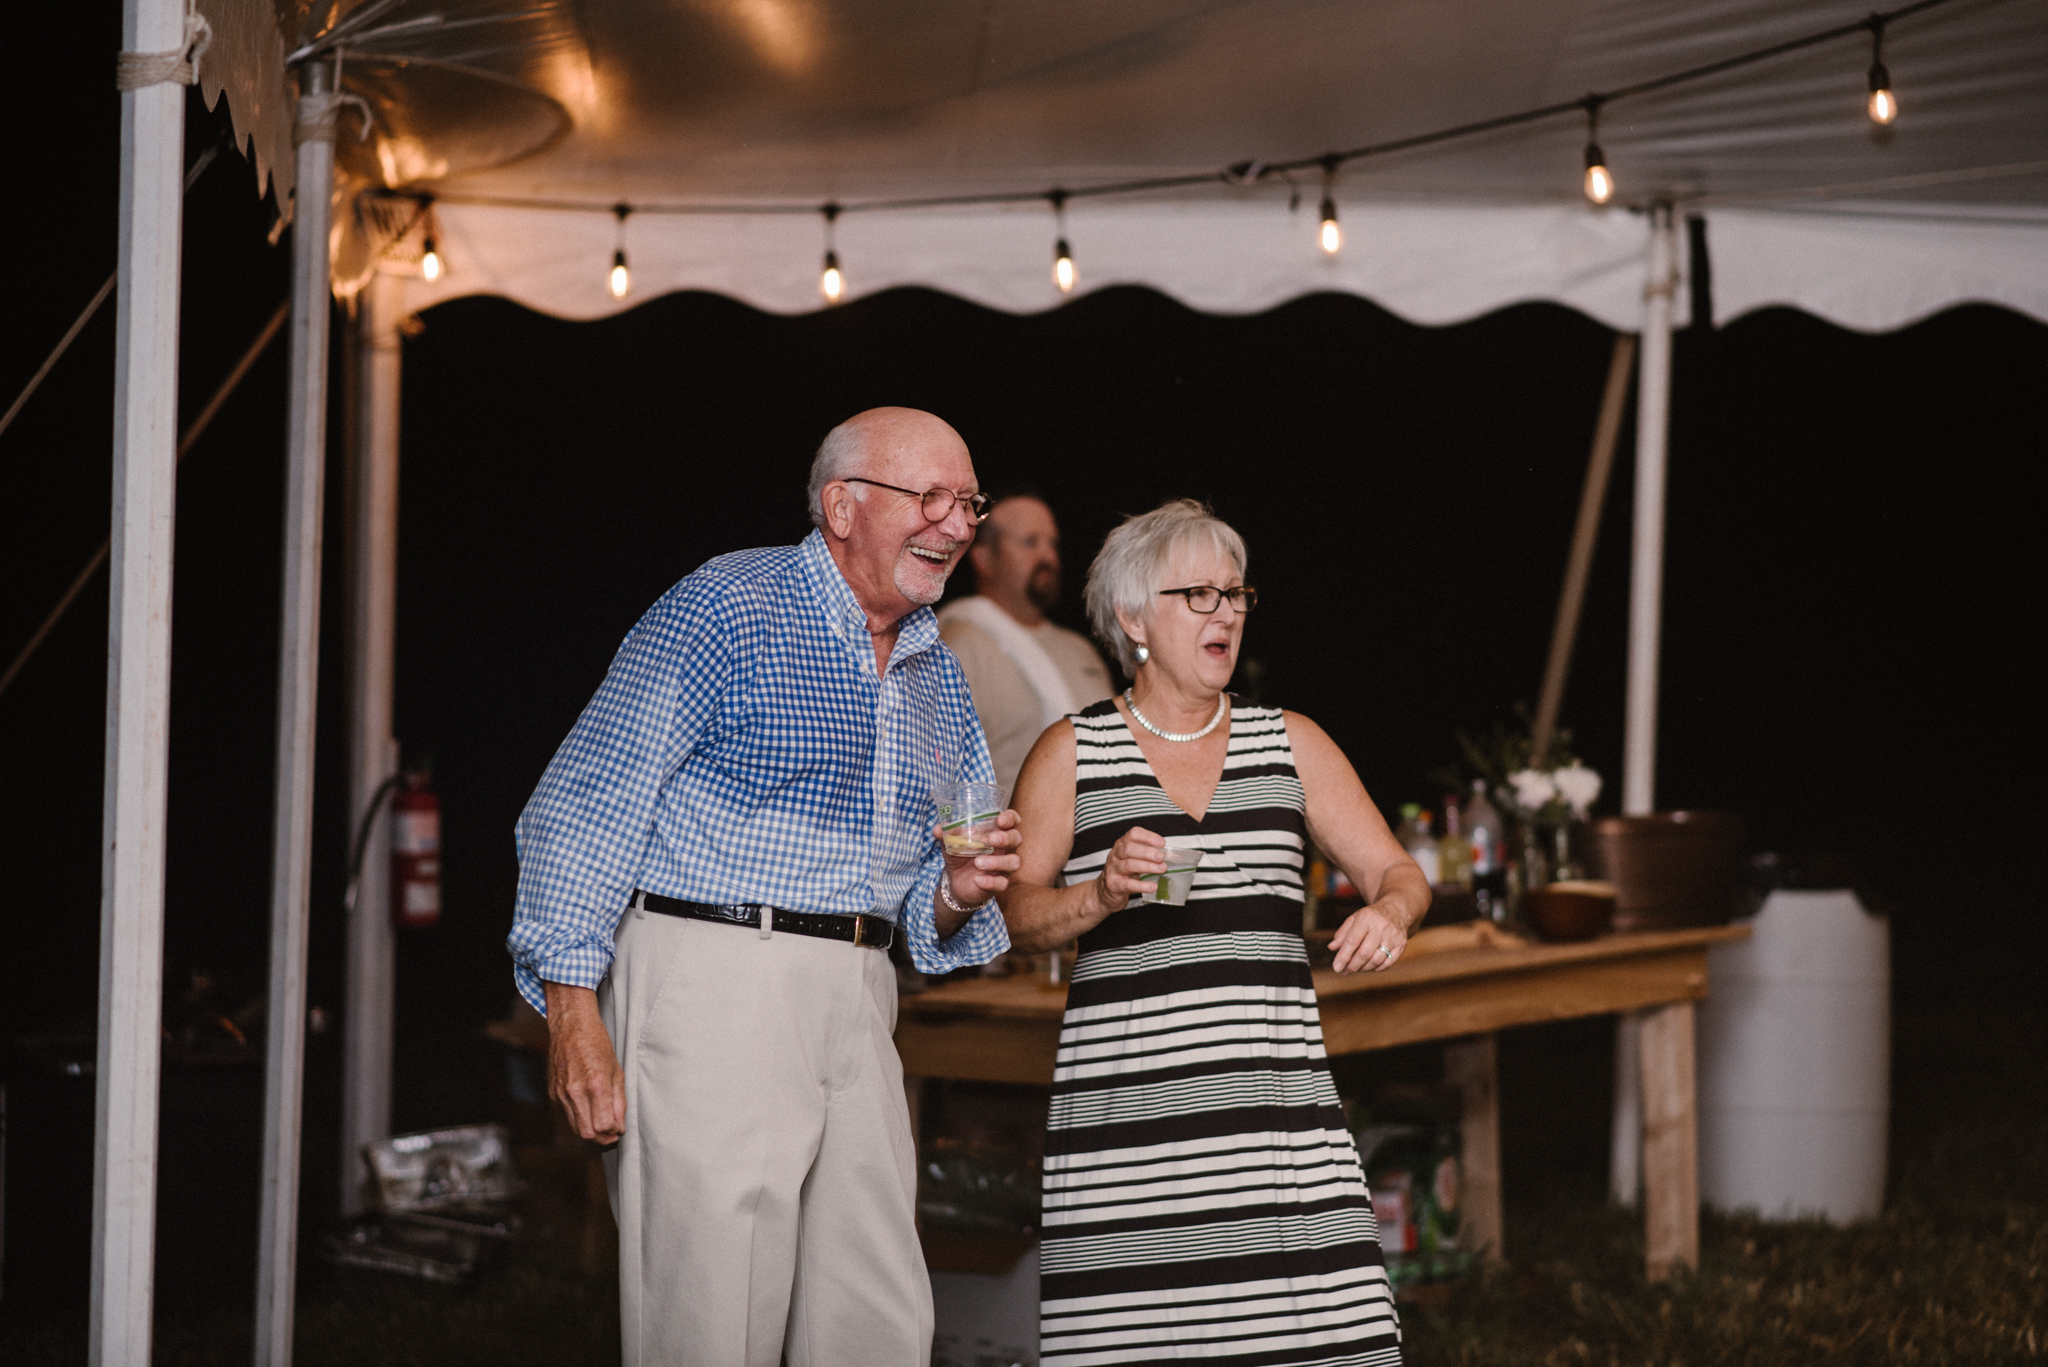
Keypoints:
pixel 1203 1199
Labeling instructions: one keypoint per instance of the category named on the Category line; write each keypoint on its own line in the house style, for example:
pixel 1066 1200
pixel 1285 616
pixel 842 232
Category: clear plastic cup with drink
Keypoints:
pixel 967 816
pixel 1183 857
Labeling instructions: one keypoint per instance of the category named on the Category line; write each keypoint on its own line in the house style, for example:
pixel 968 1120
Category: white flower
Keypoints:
pixel 1578 786
pixel 1533 789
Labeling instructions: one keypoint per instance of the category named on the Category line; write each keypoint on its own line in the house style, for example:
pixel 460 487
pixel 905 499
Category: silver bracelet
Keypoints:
pixel 953 903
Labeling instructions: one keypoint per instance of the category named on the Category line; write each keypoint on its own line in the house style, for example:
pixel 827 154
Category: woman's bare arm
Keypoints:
pixel 1041 916
pixel 1347 827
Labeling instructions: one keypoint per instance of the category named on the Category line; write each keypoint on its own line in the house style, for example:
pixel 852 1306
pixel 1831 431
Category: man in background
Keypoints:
pixel 1026 672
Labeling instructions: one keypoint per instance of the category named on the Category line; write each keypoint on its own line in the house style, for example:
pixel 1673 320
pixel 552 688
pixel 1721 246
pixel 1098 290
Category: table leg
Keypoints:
pixel 1469 1065
pixel 1671 1191
pixel 1625 1167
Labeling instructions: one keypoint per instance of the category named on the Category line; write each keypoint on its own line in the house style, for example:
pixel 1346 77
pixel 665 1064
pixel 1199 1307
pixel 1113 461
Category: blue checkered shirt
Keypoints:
pixel 742 749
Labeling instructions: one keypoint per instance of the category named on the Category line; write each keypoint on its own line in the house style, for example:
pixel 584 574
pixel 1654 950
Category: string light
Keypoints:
pixel 1884 106
pixel 431 264
pixel 621 281
pixel 1063 273
pixel 831 282
pixel 1599 180
pixel 1328 235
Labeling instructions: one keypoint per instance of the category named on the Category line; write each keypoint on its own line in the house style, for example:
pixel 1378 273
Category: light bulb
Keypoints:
pixel 430 262
pixel 832 284
pixel 1599 180
pixel 1884 106
pixel 1063 273
pixel 1328 235
pixel 622 279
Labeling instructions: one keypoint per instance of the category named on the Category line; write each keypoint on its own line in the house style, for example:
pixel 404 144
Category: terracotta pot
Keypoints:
pixel 1669 869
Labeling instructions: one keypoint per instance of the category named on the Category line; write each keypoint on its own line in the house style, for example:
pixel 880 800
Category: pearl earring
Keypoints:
pixel 1141 654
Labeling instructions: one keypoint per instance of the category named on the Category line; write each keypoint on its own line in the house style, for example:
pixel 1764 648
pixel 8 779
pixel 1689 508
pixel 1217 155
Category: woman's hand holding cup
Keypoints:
pixel 1134 862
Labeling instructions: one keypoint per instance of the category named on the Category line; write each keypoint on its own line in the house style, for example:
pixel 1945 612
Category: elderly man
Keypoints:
pixel 736 829
pixel 1026 672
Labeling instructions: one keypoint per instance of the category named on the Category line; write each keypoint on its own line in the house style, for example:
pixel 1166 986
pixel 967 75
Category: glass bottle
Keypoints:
pixel 1454 851
pixel 1484 828
pixel 1423 849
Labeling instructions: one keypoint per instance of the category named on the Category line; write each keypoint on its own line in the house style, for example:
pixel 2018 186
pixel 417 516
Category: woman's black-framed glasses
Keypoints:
pixel 1205 598
pixel 938 503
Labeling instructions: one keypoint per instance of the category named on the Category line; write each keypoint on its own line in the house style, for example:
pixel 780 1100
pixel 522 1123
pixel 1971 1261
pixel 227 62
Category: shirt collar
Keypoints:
pixel 843 614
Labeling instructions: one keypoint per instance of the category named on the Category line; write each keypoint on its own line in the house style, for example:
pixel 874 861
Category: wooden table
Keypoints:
pixel 1007 1030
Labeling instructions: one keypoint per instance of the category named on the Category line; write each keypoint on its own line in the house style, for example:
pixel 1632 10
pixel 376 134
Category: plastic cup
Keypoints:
pixel 967 816
pixel 1172 887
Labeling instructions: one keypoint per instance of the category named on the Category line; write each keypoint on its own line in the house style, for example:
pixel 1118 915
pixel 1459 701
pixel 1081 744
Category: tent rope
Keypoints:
pixel 139 70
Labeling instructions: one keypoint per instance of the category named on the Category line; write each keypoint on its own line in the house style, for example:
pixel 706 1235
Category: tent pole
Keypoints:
pixel 1579 565
pixel 373 753
pixel 138 697
pixel 1645 612
pixel 1646 572
pixel 298 681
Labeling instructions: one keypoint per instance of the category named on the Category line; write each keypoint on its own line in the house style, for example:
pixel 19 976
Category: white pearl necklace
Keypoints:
pixel 1222 706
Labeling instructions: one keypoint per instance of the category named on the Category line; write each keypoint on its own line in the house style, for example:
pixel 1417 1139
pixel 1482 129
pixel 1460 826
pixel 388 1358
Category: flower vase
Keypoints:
pixel 1564 866
pixel 1534 863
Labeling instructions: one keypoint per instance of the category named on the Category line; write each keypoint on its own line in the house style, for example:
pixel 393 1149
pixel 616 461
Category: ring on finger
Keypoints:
pixel 1384 950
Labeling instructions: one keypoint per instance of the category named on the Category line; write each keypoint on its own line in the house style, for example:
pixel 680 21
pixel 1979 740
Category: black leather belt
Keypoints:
pixel 870 932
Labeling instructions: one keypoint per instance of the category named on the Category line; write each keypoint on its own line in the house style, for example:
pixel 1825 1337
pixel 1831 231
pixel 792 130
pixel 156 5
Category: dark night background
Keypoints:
pixel 1852 566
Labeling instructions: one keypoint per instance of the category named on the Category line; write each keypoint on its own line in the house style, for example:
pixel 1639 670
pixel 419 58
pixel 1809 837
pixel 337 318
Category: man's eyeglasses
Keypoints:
pixel 938 503
pixel 1205 599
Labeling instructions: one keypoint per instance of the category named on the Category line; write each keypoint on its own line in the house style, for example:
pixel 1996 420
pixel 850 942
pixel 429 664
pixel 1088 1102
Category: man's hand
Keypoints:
pixel 977 878
pixel 584 1077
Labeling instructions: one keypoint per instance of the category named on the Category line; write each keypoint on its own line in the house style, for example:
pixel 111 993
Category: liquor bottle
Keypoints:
pixel 1454 851
pixel 1423 849
pixel 1483 827
pixel 1405 832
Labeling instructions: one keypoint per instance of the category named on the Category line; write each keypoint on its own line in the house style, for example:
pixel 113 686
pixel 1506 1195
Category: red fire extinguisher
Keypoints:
pixel 415 855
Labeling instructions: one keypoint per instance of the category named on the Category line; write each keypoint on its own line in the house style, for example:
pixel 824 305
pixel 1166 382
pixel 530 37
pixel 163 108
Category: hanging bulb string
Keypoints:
pixel 1246 172
pixel 831 280
pixel 1064 275
pixel 620 279
pixel 1599 179
pixel 1884 106
pixel 1328 235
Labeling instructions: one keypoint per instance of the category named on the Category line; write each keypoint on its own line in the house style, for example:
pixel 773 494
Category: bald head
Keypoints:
pixel 869 444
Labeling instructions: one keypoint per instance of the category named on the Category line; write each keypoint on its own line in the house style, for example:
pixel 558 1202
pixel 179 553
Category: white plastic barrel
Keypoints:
pixel 1795 1062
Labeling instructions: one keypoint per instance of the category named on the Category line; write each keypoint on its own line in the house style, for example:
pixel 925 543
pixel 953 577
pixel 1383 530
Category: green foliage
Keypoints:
pixel 1502 750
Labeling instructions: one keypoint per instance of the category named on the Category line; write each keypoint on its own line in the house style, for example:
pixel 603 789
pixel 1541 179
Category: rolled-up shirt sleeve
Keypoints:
pixel 583 834
pixel 984 935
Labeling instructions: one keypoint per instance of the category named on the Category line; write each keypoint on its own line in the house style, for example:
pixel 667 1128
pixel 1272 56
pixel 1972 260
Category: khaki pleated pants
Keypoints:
pixel 765 1184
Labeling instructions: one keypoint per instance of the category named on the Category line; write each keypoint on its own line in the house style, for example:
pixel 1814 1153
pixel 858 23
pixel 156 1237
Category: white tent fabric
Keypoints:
pixel 1875 272
pixel 1778 155
pixel 708 106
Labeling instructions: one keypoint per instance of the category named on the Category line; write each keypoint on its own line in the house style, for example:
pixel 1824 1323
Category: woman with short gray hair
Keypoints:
pixel 1202 1196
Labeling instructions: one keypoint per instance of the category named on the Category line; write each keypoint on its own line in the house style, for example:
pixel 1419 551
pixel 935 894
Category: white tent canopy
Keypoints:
pixel 508 129
pixel 706 116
